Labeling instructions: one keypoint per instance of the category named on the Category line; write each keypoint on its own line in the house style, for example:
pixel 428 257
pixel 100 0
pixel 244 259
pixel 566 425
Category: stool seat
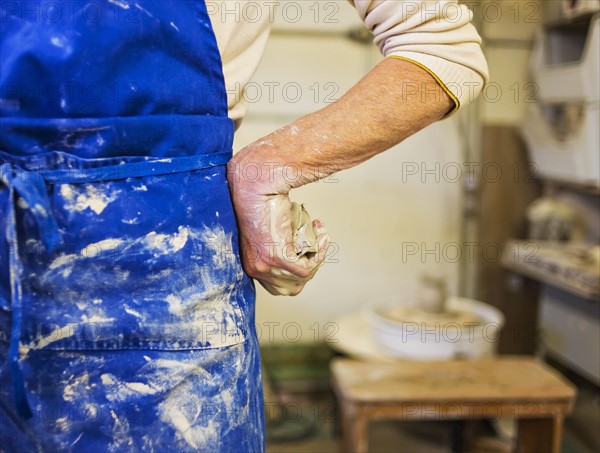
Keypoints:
pixel 520 387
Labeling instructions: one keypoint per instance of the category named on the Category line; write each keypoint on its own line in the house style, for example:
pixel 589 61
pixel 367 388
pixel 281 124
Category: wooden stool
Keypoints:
pixel 521 387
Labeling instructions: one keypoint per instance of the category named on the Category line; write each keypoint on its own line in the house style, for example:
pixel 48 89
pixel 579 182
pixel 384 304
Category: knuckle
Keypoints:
pixel 261 267
pixel 296 290
pixel 303 272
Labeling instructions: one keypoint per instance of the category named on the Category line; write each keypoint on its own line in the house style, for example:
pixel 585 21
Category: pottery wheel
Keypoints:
pixel 413 315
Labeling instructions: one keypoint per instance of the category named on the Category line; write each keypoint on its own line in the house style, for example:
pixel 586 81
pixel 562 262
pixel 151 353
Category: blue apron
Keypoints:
pixel 126 320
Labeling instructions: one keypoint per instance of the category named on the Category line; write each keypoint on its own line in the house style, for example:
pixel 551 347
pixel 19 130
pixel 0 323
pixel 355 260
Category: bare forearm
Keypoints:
pixel 383 109
pixel 395 100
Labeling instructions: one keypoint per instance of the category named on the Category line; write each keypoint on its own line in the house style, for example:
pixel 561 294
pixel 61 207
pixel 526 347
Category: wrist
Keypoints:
pixel 254 171
pixel 272 165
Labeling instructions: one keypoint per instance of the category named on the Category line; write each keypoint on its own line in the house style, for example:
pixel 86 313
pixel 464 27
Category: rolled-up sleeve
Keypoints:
pixel 436 35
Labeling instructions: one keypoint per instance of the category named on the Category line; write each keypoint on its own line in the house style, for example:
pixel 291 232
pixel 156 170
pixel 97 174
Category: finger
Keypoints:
pixel 283 274
pixel 279 288
pixel 270 288
pixel 323 240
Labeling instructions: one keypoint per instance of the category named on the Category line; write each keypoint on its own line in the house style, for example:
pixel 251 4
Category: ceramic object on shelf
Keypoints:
pixel 566 66
pixel 554 219
pixel 570 156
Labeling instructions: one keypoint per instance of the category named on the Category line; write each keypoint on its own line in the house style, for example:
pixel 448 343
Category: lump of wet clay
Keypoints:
pixel 304 237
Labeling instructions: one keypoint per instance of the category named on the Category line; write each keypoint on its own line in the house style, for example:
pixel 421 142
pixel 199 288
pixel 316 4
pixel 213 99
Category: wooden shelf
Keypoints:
pixel 578 22
pixel 556 265
pixel 590 189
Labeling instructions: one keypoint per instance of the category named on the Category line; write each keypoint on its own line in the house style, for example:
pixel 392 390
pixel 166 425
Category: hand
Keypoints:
pixel 263 211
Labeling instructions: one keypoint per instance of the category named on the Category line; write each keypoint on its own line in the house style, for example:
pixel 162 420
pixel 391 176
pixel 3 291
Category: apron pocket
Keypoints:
pixel 148 262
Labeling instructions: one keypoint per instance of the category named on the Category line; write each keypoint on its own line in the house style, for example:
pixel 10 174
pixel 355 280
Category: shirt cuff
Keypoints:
pixel 462 86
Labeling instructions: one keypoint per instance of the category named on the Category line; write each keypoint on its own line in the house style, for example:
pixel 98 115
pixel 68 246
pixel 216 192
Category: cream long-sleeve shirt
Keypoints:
pixel 436 35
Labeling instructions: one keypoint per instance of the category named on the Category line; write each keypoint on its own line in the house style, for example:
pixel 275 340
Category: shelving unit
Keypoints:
pixel 561 132
pixel 568 288
pixel 575 22
pixel 563 267
pixel 552 185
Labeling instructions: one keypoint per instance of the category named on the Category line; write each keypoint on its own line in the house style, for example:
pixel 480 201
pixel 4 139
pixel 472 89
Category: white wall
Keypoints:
pixel 508 28
pixel 374 211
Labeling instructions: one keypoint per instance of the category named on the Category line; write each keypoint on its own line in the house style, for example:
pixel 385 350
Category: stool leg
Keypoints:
pixel 355 432
pixel 458 436
pixel 539 435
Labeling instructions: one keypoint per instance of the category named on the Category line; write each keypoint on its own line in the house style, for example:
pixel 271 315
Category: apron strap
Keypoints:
pixel 31 188
pixel 16 293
